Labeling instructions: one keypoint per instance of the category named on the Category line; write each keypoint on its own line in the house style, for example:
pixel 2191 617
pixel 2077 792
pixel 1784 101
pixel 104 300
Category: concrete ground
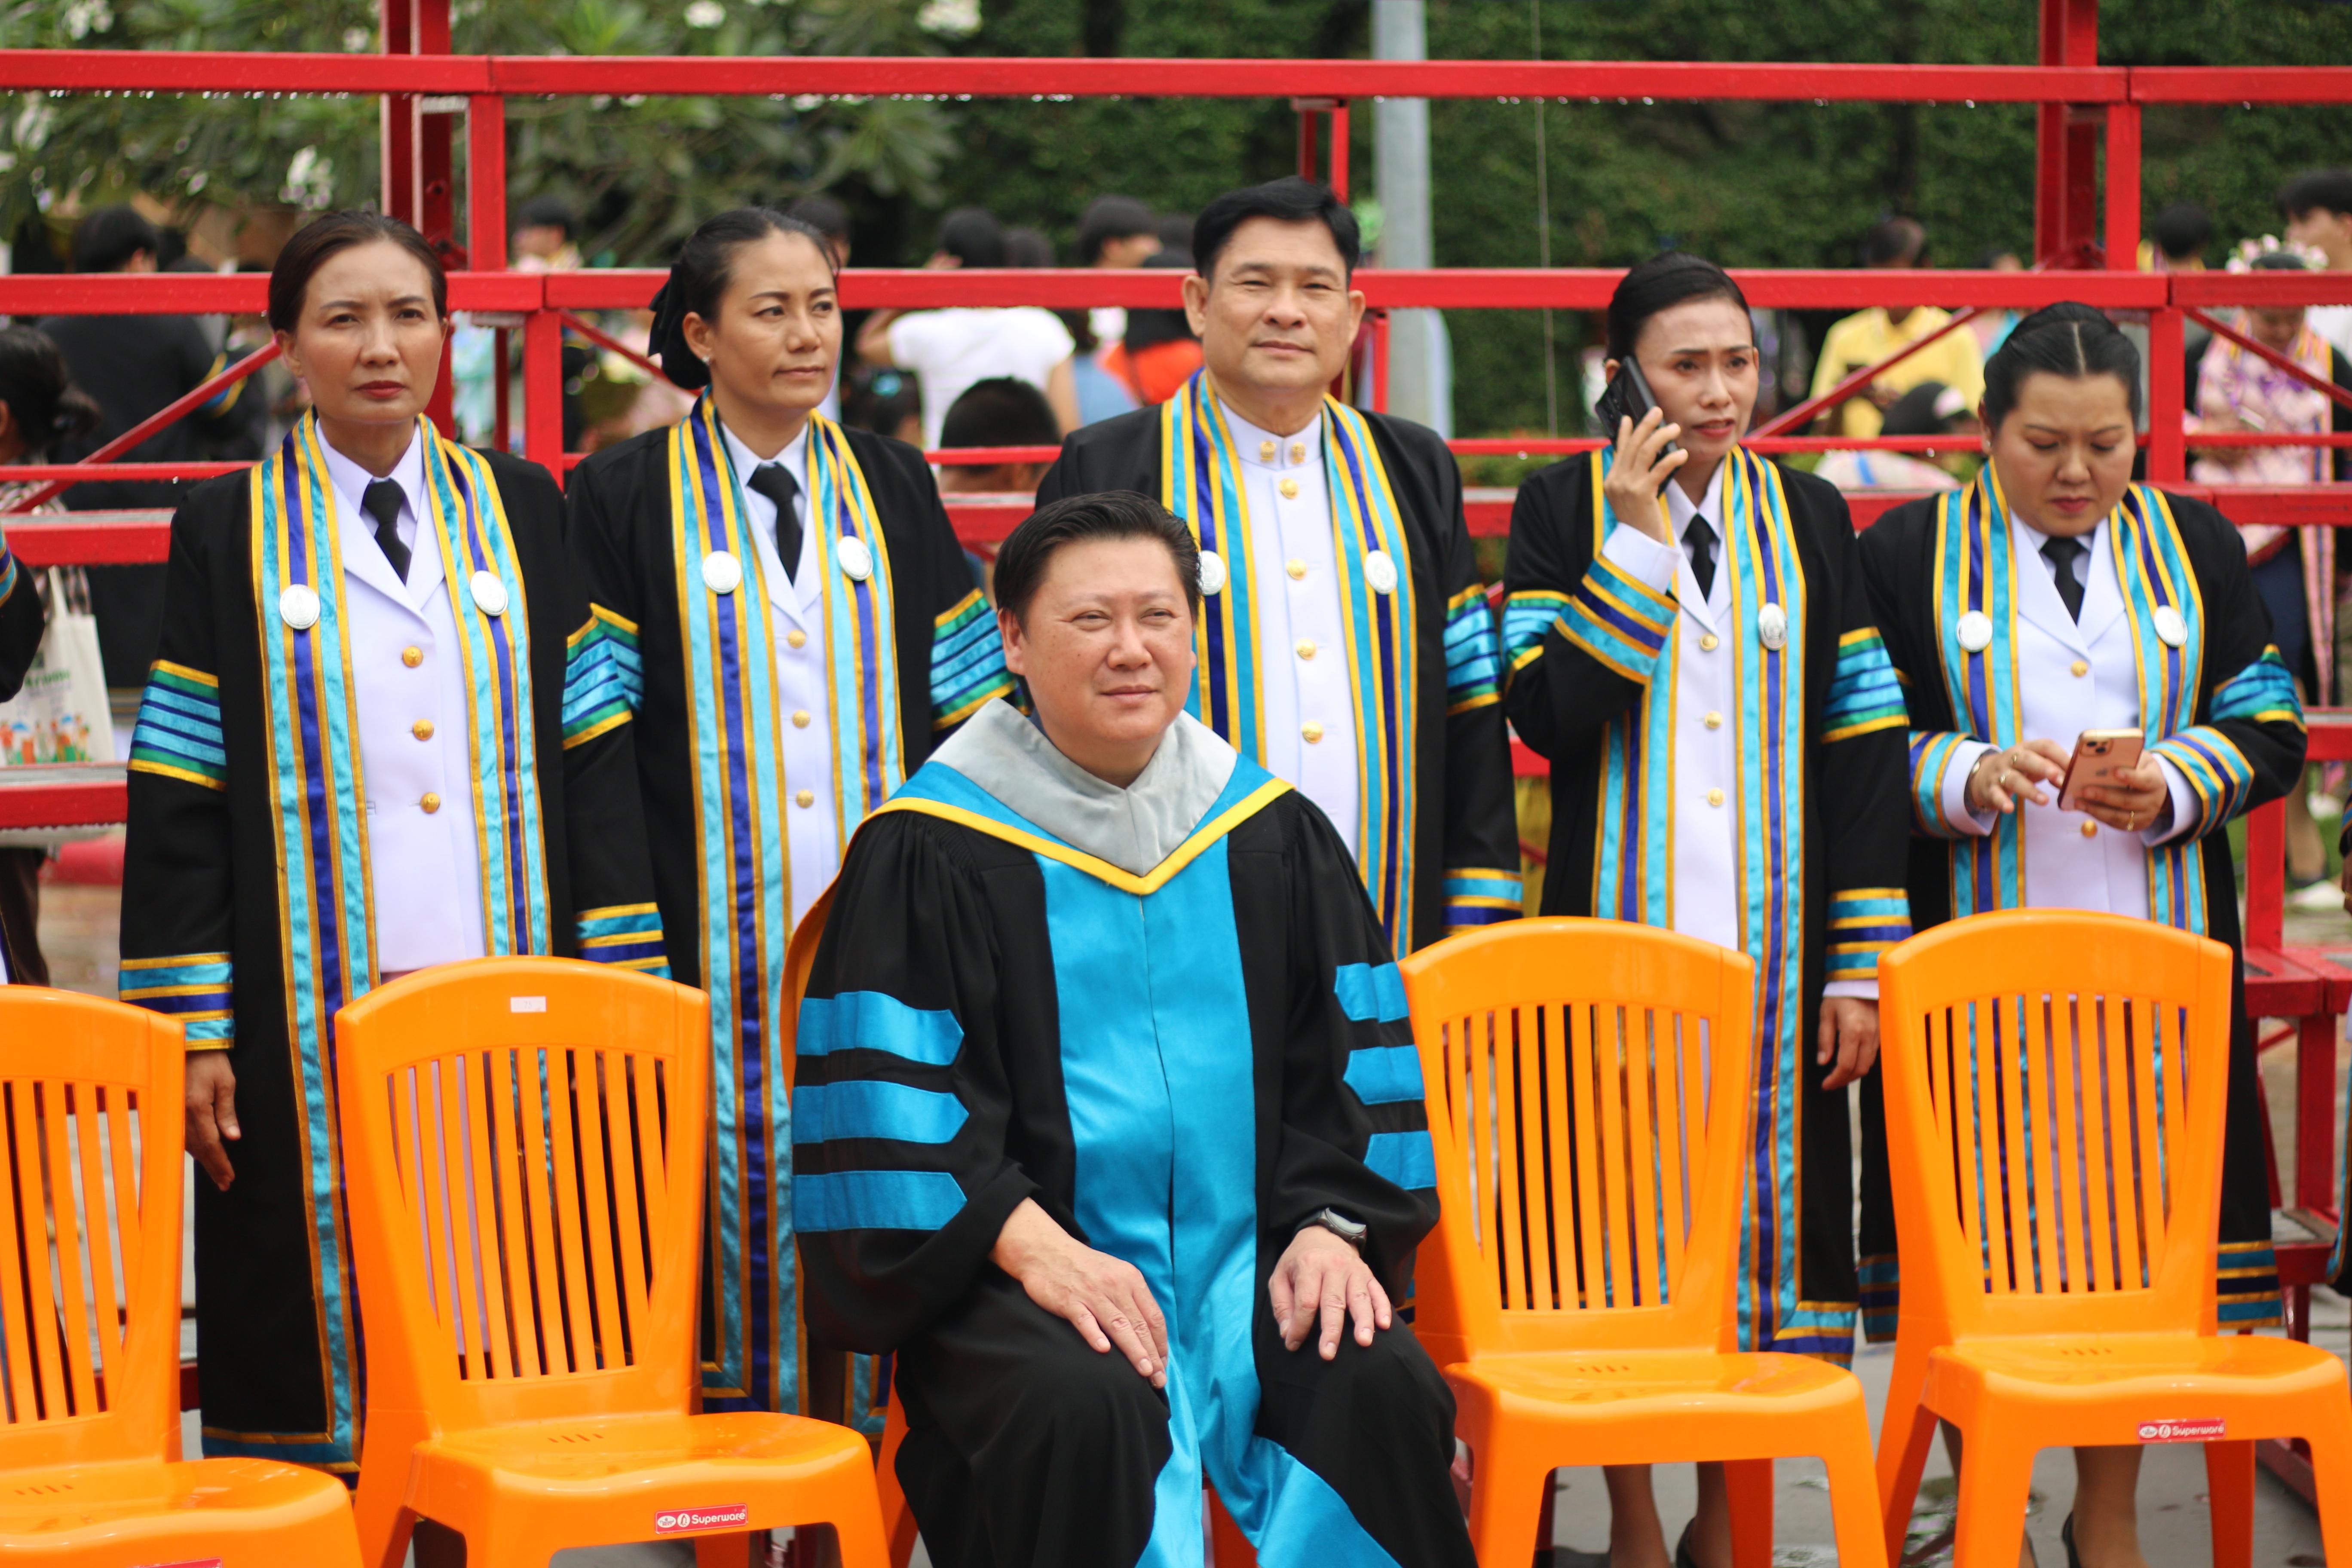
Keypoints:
pixel 78 931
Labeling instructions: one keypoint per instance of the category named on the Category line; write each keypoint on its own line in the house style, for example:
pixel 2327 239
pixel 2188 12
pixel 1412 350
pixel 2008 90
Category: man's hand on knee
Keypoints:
pixel 1104 1298
pixel 1322 1277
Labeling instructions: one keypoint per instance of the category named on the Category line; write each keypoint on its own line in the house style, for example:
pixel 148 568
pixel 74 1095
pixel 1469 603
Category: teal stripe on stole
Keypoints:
pixel 1637 808
pixel 1163 1004
pixel 861 651
pixel 876 1021
pixel 1988 872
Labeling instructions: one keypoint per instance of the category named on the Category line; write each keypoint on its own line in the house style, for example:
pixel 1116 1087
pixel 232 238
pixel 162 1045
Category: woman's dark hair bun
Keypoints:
pixel 699 279
pixel 1669 279
pixel 2069 339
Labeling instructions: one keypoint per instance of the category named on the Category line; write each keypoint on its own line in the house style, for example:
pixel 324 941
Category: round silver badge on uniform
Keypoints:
pixel 722 573
pixel 298 607
pixel 1213 572
pixel 856 560
pixel 1772 628
pixel 1976 631
pixel 2170 628
pixel 1379 571
pixel 489 593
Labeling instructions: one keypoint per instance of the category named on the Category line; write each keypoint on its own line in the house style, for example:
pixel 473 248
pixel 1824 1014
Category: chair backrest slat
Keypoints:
pixel 88 1310
pixel 523 1250
pixel 1587 1146
pixel 2054 1099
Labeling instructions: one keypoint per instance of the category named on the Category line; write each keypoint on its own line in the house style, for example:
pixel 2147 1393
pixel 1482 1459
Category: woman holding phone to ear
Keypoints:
pixel 2051 597
pixel 1687 639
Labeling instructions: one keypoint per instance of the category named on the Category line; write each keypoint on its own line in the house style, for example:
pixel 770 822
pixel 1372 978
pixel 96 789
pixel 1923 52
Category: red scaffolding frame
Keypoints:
pixel 450 181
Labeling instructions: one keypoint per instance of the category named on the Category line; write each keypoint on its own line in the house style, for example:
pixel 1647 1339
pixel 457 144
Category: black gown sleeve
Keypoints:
pixel 901 1100
pixel 1581 639
pixel 21 621
pixel 1482 831
pixel 1864 768
pixel 177 915
pixel 1355 1132
pixel 967 655
pixel 2247 747
pixel 613 916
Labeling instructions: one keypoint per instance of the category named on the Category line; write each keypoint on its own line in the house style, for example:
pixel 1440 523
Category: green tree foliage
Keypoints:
pixel 642 171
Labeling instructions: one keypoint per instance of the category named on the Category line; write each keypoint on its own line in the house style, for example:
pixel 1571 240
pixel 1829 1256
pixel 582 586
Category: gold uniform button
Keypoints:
pixel 1265 451
pixel 796 638
pixel 1708 642
pixel 422 729
pixel 430 803
pixel 1298 451
pixel 800 718
pixel 1298 569
pixel 1715 797
pixel 1307 648
pixel 1310 731
pixel 1714 720
pixel 1289 489
pixel 806 797
pixel 412 656
pixel 2079 669
pixel 2090 830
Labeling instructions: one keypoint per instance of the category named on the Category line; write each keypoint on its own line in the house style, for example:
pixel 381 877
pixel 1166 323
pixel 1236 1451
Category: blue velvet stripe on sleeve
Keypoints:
pixel 179 732
pixel 967 662
pixel 875 1200
pixel 193 987
pixel 1474 663
pixel 1408 1159
pixel 873 1021
pixel 627 936
pixel 2261 693
pixel 1370 993
pixel 1863 696
pixel 874 1108
pixel 603 676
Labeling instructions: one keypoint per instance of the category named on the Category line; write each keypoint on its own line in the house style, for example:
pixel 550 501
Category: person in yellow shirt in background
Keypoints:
pixel 1869 337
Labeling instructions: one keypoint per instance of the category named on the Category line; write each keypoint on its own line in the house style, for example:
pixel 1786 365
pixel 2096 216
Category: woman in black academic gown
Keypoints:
pixel 357 756
pixel 782 603
pixel 2050 597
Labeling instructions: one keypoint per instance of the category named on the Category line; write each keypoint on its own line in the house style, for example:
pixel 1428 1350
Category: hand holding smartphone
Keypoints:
pixel 2101 757
pixel 1627 396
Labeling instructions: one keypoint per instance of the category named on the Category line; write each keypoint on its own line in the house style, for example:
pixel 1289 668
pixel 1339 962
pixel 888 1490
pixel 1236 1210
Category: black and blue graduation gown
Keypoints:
pixel 1180 1068
pixel 2219 705
pixel 246 908
pixel 912 650
pixel 1437 836
pixel 1590 658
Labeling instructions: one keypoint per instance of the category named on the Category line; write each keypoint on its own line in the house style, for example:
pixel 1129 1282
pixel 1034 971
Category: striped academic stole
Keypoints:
pixel 1975 573
pixel 326 910
pixel 728 626
pixel 1201 483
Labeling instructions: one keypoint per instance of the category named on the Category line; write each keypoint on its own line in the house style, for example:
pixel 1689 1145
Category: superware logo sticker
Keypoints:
pixel 2203 1429
pixel 684 1520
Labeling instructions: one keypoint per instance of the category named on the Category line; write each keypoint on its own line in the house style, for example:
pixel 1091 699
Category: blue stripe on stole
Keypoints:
pixel 731 679
pixel 325 939
pixel 1975 571
pixel 1384 660
pixel 876 1021
pixel 1632 878
pixel 1371 991
pixel 859 613
pixel 875 1200
pixel 1526 616
pixel 874 1108
pixel 1385 1075
pixel 2152 568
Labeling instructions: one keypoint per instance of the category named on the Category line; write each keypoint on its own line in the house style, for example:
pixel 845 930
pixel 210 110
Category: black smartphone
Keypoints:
pixel 1627 396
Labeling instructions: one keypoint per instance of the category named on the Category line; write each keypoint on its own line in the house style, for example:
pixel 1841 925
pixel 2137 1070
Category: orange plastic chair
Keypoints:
pixel 1588 1090
pixel 90 1474
pixel 2058 1289
pixel 524 1144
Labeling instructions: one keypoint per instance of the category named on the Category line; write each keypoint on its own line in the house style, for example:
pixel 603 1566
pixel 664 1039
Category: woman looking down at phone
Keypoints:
pixel 2051 598
pixel 1688 641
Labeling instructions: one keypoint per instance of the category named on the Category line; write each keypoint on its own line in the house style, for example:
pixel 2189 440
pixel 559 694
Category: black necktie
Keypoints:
pixel 1698 539
pixel 2062 553
pixel 382 501
pixel 775 482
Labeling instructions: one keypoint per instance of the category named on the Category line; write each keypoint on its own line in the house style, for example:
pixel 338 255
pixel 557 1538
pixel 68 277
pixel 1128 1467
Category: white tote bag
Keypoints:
pixel 60 714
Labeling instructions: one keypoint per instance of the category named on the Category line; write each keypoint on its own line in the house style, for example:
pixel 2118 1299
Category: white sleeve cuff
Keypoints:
pixel 1860 990
pixel 2183 819
pixel 1647 560
pixel 1954 796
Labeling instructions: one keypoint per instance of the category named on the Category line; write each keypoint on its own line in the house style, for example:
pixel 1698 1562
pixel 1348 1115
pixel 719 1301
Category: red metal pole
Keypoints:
pixel 400 195
pixel 542 391
pixel 1380 361
pixel 1306 152
pixel 502 395
pixel 2066 143
pixel 1340 150
pixel 2168 395
pixel 486 182
pixel 2123 187
pixel 186 403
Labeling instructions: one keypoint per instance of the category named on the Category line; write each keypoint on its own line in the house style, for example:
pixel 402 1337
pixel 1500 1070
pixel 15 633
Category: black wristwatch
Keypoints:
pixel 1350 1231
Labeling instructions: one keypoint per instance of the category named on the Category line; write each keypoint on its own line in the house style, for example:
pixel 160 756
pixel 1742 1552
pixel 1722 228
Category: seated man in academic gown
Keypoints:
pixel 1064 952
pixel 1346 644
